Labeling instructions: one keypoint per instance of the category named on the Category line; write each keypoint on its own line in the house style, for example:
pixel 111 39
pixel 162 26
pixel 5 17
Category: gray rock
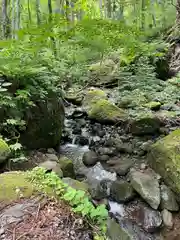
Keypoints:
pixel 168 200
pixel 116 232
pixel 90 158
pixel 99 189
pixel 52 166
pixel 104 158
pixel 121 191
pixel 76 184
pixel 147 186
pixel 52 157
pixel 145 217
pixel 167 218
pixel 120 166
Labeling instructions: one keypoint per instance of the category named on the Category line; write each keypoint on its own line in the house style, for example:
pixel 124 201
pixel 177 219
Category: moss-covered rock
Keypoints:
pixel 92 96
pixel 106 112
pixel 44 124
pixel 153 105
pixel 67 167
pixel 76 184
pixel 144 123
pixel 164 157
pixel 4 151
pixel 14 185
pixel 98 107
pixel 135 99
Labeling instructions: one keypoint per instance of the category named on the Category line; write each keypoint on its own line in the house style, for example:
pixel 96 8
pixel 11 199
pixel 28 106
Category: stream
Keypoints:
pixel 116 152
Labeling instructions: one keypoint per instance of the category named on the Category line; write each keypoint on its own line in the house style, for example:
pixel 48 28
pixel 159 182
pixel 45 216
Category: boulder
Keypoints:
pixel 52 166
pixel 67 167
pixel 164 158
pixel 99 189
pixel 144 123
pixel 14 185
pixel 168 199
pixel 144 216
pixel 120 165
pixel 167 218
pixel 147 186
pixel 4 151
pixel 90 158
pixel 121 191
pixel 106 112
pixel 101 109
pixel 44 124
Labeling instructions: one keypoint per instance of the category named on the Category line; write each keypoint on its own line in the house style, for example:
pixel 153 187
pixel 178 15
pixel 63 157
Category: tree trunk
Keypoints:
pixel 4 18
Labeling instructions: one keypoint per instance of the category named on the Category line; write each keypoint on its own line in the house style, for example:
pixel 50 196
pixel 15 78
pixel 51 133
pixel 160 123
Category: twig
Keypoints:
pixel 37 214
pixel 14 233
pixel 24 234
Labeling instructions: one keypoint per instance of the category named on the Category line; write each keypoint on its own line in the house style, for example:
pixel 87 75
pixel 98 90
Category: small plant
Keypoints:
pixel 77 199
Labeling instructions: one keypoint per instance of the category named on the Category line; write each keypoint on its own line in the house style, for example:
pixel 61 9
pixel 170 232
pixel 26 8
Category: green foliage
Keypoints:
pixel 78 199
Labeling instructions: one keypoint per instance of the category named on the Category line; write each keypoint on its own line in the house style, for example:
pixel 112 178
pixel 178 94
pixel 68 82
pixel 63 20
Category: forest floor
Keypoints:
pixel 39 219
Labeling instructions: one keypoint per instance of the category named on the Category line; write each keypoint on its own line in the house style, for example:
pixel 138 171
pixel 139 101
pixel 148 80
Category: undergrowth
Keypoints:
pixel 78 200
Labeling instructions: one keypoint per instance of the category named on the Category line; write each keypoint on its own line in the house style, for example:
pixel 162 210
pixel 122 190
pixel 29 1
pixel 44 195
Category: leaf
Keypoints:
pixel 15 146
pixel 6 84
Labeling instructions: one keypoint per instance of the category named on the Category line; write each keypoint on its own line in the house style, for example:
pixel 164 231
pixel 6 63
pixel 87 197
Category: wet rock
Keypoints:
pixel 90 158
pixel 76 184
pixel 67 167
pixel 150 220
pixel 82 122
pixel 164 158
pixel 77 130
pixel 147 186
pixel 76 153
pixel 106 151
pixel 167 218
pixel 120 165
pixel 121 191
pixel 104 158
pixel 144 123
pixel 52 166
pixel 125 148
pixel 126 230
pixel 81 140
pixel 99 173
pixel 98 189
pixel 168 200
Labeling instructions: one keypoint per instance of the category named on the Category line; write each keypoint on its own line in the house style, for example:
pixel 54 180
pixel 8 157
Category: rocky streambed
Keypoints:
pixel 109 149
pixel 125 154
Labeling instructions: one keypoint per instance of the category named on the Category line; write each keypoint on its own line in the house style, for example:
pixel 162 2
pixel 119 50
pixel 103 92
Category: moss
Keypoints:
pixel 11 181
pixel 105 111
pixel 144 123
pixel 153 105
pixel 103 67
pixel 93 96
pixel 164 157
pixel 67 167
pixel 4 150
